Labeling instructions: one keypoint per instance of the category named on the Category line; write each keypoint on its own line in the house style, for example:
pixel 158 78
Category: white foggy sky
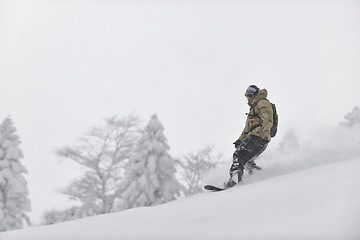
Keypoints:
pixel 66 65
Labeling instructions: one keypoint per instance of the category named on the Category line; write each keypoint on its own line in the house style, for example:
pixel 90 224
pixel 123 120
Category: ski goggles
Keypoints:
pixel 249 95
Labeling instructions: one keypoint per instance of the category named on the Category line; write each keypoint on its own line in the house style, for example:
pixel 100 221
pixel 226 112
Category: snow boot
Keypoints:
pixel 251 166
pixel 229 184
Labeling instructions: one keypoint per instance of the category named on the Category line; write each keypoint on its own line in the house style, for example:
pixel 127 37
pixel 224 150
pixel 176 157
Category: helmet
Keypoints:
pixel 251 91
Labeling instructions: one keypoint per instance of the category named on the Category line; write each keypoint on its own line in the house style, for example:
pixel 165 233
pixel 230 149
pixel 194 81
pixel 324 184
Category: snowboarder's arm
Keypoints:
pixel 244 133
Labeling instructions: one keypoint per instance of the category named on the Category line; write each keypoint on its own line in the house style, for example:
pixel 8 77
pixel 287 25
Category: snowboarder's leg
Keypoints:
pixel 258 148
pixel 237 166
pixel 236 169
pixel 249 149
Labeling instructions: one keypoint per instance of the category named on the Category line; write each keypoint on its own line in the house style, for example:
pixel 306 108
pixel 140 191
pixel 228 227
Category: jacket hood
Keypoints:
pixel 263 93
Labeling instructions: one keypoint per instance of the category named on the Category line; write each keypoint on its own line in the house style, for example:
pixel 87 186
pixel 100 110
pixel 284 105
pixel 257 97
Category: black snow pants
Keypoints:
pixel 248 150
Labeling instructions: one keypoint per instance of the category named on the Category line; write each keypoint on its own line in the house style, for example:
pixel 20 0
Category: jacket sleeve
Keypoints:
pixel 244 133
pixel 265 113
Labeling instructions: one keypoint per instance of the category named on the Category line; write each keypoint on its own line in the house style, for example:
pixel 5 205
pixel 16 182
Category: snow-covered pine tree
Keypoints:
pixel 13 186
pixel 352 118
pixel 351 133
pixel 150 178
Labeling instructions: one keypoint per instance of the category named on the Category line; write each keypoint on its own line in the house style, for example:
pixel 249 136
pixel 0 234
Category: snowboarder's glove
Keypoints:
pixel 237 143
pixel 266 136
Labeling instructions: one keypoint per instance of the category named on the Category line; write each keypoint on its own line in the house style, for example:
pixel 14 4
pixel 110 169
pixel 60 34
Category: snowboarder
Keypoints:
pixel 255 136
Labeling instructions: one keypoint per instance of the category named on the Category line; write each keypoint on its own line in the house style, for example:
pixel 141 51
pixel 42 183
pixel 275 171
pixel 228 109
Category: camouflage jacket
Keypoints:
pixel 260 119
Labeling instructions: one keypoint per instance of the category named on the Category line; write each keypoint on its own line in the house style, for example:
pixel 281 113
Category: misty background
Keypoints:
pixel 66 65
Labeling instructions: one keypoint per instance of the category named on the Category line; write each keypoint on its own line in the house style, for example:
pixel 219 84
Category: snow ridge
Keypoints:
pixel 316 203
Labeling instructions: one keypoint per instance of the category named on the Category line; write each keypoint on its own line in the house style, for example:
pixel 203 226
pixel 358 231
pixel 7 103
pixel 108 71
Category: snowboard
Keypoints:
pixel 213 188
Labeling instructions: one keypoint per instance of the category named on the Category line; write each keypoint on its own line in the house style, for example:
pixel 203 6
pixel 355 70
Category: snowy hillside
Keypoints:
pixel 317 203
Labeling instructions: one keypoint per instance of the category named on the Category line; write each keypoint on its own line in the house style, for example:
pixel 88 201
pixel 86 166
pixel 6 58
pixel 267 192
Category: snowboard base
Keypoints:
pixel 213 188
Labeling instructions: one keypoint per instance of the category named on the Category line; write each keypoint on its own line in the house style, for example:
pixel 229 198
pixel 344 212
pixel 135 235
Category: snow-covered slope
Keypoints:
pixel 318 203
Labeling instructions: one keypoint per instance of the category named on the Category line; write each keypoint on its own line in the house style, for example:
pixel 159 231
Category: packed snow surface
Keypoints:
pixel 317 203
